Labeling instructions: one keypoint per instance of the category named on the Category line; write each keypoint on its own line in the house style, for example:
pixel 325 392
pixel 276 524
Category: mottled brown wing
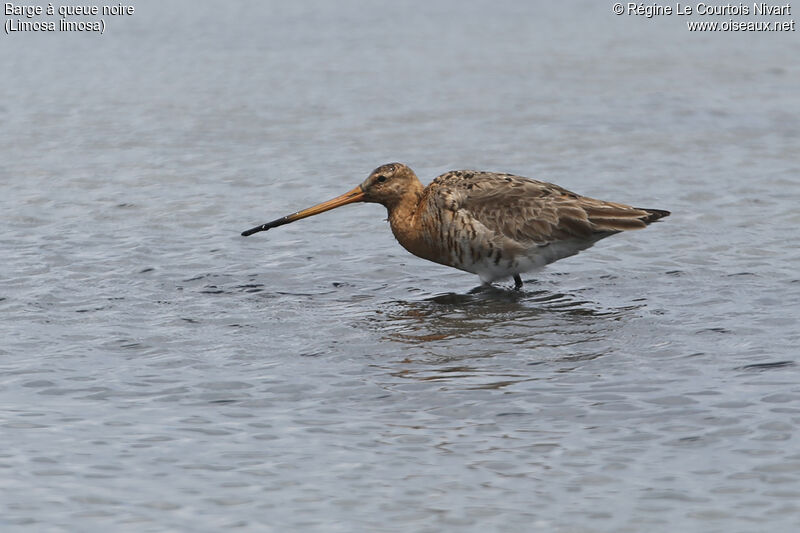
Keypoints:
pixel 533 211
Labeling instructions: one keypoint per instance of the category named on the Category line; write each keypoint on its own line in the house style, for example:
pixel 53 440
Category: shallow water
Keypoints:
pixel 161 373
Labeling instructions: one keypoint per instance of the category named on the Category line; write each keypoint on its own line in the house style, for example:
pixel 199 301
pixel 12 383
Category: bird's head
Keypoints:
pixel 388 184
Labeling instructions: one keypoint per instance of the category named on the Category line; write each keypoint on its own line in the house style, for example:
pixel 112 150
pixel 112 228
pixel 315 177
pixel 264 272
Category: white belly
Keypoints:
pixel 490 269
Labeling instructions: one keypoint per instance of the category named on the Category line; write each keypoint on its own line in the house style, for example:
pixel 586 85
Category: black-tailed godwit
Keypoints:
pixel 492 224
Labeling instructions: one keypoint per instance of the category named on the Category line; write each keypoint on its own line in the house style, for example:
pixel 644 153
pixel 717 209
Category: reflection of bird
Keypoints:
pixel 491 224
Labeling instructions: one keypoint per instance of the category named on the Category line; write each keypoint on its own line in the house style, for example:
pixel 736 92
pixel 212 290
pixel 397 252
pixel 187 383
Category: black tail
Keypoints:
pixel 654 214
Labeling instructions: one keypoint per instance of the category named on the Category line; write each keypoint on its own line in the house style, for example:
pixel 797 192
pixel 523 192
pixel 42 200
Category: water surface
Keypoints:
pixel 161 373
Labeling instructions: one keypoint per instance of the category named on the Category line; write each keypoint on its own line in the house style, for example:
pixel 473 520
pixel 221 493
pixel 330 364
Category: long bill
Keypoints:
pixel 356 195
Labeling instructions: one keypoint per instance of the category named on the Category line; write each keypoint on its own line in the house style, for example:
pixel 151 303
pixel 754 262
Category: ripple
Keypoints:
pixel 160 372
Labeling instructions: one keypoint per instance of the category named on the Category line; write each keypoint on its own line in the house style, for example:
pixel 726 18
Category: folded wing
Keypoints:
pixel 533 212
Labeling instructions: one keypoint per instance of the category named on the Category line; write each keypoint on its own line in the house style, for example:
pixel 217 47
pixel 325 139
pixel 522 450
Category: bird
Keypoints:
pixel 492 224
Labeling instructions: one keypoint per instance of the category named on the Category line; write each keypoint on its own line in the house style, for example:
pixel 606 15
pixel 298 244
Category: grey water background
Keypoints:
pixel 158 372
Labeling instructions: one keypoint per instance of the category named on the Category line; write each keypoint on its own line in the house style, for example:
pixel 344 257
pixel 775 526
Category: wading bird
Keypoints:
pixel 491 224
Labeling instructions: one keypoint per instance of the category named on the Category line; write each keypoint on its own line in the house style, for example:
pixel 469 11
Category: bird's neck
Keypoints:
pixel 405 219
pixel 404 209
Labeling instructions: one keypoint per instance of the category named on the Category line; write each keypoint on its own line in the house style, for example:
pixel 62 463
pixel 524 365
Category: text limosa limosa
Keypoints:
pixel 492 224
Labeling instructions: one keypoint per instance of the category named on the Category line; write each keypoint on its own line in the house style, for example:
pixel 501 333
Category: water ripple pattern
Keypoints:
pixel 158 372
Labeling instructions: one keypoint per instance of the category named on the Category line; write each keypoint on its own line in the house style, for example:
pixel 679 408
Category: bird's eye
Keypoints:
pixel 380 179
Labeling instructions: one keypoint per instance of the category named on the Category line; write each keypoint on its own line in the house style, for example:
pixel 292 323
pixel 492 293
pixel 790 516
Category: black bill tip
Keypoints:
pixel 264 227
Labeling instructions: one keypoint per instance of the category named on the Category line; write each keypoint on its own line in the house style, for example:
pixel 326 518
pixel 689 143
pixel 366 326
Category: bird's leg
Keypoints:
pixel 517 282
